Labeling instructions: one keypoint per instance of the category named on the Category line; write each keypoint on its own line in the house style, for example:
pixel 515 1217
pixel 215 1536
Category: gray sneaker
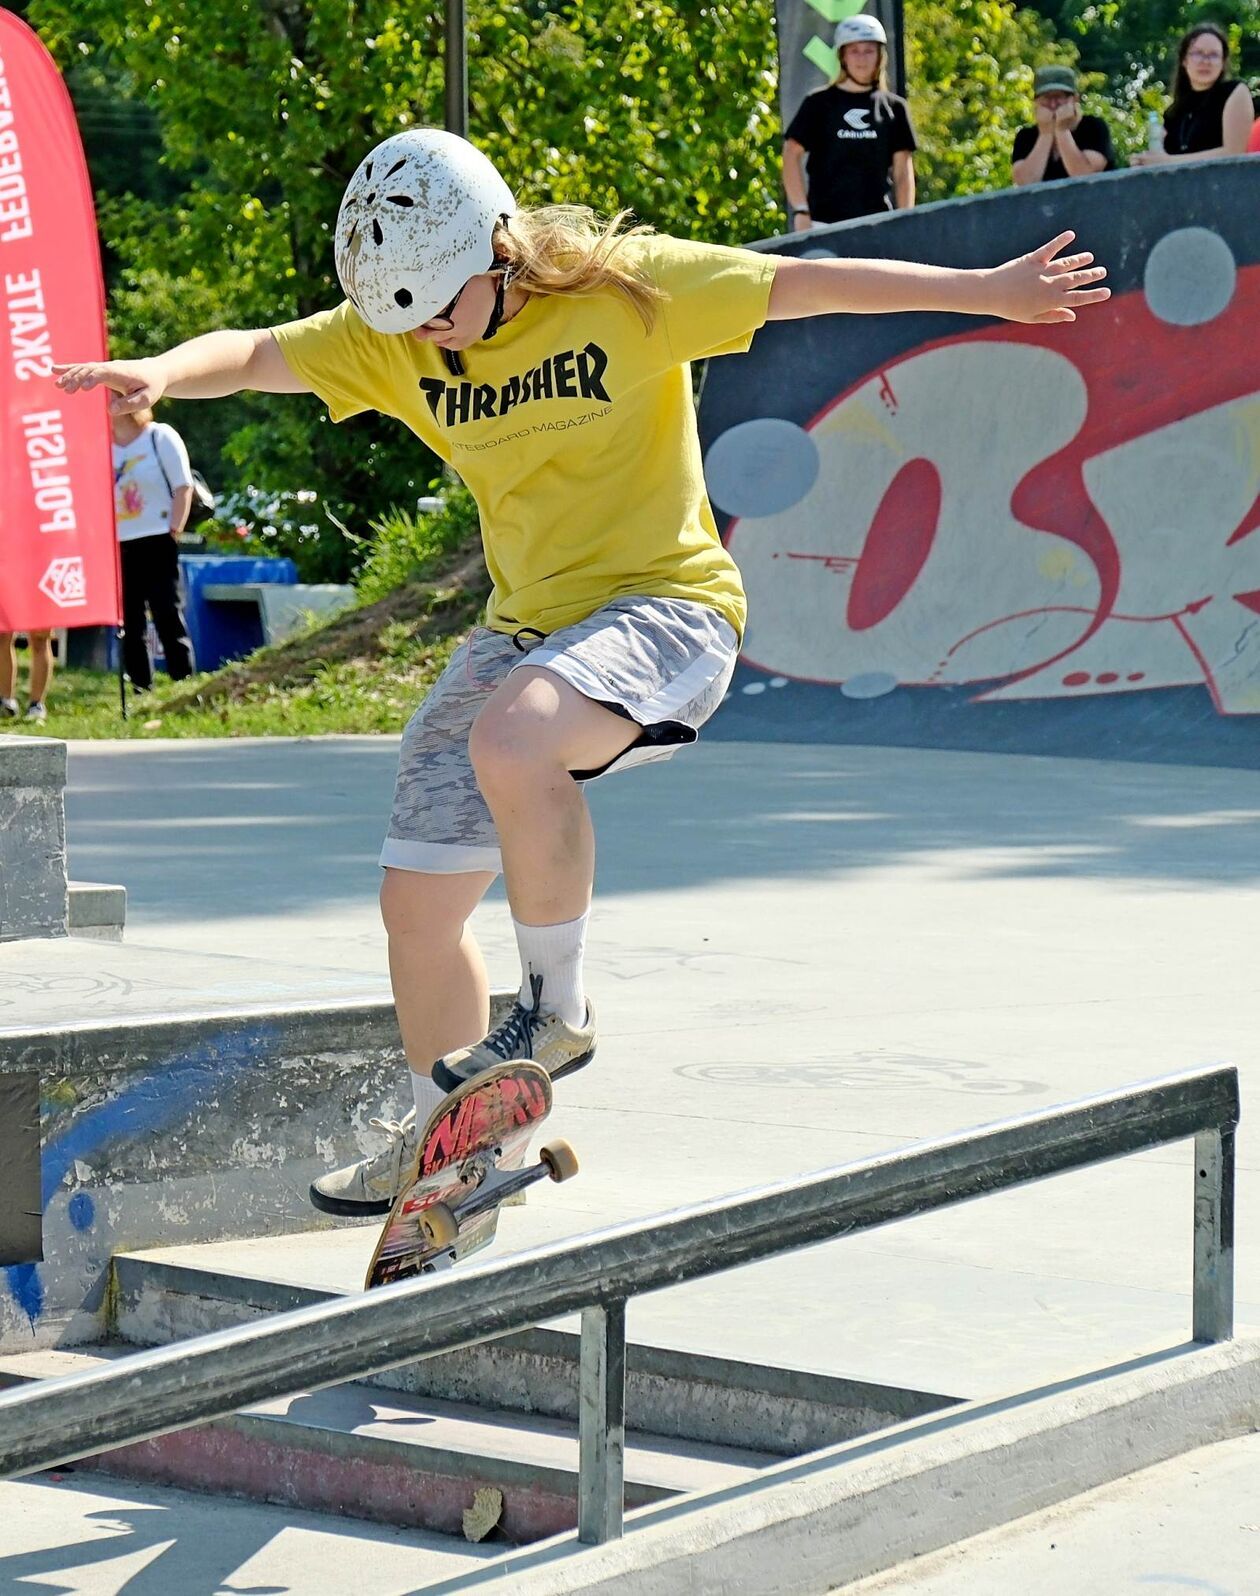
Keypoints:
pixel 530 1033
pixel 8 709
pixel 36 711
pixel 372 1185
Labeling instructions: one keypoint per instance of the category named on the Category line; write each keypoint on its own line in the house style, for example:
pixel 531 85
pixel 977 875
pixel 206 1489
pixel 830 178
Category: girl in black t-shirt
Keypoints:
pixel 856 137
pixel 1211 113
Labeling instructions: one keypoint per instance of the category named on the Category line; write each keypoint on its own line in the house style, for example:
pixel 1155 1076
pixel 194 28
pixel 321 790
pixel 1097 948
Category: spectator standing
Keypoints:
pixel 152 496
pixel 1211 113
pixel 1063 141
pixel 850 149
pixel 39 645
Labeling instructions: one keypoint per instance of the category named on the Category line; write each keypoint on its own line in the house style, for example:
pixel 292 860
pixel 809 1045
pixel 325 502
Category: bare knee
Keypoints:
pixel 514 738
pixel 438 906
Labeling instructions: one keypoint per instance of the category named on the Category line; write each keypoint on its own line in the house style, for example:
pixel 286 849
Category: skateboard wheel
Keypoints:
pixel 560 1159
pixel 439 1225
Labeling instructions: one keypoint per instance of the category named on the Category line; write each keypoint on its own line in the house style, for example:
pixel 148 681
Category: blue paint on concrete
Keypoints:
pixel 147 1106
pixel 27 1289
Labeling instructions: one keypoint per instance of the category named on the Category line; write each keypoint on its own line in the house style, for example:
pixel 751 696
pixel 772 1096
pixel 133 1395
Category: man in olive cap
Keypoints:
pixel 1063 142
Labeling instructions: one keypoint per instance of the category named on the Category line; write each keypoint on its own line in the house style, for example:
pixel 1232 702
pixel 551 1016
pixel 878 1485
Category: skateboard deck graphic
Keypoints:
pixel 468 1157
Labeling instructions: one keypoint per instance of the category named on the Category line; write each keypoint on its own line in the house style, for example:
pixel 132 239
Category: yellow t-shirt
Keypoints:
pixel 574 429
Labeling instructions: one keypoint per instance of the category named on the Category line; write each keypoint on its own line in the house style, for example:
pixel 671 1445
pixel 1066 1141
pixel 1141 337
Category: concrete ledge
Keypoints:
pixel 156 1131
pixel 96 910
pixel 817 1524
pixel 32 838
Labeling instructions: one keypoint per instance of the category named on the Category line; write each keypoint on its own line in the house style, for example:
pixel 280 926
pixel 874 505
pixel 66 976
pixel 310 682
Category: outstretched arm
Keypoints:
pixel 209 367
pixel 1037 287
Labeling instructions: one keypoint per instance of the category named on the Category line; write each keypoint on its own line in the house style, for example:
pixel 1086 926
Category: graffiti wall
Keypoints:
pixel 975 534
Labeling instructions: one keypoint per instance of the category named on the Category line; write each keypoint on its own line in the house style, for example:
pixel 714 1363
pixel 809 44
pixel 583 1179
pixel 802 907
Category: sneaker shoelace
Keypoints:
pixel 517 1031
pixel 397 1130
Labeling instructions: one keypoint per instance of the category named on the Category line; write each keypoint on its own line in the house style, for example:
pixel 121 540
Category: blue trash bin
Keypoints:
pixel 223 632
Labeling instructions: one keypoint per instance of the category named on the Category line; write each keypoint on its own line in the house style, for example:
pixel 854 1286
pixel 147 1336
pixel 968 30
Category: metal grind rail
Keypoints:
pixel 169 1388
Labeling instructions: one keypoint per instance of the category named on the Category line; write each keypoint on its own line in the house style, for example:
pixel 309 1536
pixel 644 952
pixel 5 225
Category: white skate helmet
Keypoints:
pixel 860 30
pixel 415 224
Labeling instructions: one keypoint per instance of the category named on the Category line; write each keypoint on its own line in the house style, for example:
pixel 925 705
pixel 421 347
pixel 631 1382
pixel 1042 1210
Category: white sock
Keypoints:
pixel 555 952
pixel 427 1093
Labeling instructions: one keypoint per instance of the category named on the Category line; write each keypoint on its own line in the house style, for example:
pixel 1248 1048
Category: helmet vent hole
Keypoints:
pixel 396 167
pixel 404 200
pixel 367 170
pixel 371 199
pixel 402 298
pixel 377 234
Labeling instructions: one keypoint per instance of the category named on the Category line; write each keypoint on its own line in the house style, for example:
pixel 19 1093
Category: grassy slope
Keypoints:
pixel 364 671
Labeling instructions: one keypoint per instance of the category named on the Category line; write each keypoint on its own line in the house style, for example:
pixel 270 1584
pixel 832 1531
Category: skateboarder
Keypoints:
pixel 545 356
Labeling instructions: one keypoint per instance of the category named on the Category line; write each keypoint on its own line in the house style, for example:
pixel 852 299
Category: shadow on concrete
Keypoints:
pixel 230 829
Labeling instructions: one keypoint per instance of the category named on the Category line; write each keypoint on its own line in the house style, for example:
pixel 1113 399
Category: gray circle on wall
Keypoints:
pixel 1190 277
pixel 761 467
pixel 870 684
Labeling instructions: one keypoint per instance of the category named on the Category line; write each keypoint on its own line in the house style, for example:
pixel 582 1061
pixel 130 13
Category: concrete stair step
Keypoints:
pixel 396 1459
pixel 97 1536
pixel 168 1294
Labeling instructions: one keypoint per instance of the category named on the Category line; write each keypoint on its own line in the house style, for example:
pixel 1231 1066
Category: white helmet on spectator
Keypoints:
pixel 416 222
pixel 860 30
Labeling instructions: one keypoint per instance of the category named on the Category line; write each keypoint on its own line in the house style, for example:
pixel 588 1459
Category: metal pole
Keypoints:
pixel 602 1424
pixel 456 69
pixel 899 46
pixel 168 1388
pixel 1214 1235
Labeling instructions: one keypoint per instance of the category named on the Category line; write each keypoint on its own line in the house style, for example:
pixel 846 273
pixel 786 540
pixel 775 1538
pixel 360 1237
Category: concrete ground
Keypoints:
pixel 76 1532
pixel 801 956
pixel 1190 1525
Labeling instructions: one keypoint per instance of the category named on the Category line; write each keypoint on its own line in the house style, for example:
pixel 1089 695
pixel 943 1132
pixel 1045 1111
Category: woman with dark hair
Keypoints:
pixel 1211 113
pixel 850 148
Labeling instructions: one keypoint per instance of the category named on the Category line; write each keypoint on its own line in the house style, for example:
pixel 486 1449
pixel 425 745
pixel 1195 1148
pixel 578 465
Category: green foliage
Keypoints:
pixel 265 107
pixel 969 64
pixel 408 547
pixel 1133 47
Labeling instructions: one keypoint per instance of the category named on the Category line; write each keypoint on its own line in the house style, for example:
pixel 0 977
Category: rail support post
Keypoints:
pixel 1214 1234
pixel 602 1424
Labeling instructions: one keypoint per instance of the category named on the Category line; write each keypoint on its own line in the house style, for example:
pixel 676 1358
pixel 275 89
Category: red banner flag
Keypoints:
pixel 58 550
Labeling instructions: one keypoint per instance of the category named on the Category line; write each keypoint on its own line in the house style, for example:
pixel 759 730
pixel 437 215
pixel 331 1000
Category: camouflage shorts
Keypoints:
pixel 664 663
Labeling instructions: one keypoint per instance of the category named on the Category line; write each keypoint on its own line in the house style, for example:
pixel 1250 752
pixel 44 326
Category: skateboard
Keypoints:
pixel 469 1158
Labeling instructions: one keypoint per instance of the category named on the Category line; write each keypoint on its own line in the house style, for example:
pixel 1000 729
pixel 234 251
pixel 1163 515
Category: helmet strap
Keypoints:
pixel 503 278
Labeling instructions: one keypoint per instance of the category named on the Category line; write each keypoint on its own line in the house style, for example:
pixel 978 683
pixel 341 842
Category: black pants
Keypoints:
pixel 150 577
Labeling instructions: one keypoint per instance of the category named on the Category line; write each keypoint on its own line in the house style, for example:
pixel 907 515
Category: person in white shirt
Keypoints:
pixel 152 496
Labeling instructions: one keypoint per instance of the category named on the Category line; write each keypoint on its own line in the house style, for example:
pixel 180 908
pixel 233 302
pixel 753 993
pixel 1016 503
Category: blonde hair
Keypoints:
pixel 568 249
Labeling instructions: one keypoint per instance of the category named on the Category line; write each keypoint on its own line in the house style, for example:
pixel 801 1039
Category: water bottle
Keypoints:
pixel 1154 131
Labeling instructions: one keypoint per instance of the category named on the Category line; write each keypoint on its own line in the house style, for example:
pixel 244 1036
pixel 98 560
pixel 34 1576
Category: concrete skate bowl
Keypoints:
pixel 969 534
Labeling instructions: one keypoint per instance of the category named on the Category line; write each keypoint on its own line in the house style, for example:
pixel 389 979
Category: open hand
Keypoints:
pixel 136 384
pixel 1043 287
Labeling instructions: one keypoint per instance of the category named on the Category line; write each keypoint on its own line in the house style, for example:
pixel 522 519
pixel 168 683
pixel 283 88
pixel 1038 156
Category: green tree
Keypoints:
pixel 265 108
pixel 969 66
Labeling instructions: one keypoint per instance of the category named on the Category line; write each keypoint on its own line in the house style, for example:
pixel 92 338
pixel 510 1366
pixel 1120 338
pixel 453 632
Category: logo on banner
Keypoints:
pixel 64 582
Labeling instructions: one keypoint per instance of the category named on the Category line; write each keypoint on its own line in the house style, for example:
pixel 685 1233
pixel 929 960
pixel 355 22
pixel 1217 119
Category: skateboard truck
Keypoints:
pixel 440 1222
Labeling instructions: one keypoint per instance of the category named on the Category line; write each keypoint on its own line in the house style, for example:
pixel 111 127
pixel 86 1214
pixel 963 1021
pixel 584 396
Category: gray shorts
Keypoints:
pixel 662 662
